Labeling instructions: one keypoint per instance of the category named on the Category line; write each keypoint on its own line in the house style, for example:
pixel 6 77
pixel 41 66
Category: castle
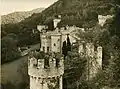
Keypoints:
pixel 52 42
pixel 50 77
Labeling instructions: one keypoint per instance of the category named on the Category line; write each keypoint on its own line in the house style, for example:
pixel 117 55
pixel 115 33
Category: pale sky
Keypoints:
pixel 8 6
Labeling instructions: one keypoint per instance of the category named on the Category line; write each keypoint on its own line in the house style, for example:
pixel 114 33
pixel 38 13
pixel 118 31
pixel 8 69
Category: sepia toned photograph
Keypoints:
pixel 60 44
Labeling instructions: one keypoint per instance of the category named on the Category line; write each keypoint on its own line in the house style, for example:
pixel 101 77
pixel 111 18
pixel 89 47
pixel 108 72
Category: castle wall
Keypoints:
pixel 99 57
pixel 90 59
pixel 61 82
pixel 90 49
pixel 55 43
pixel 81 49
pixel 44 83
pixel 95 63
pixel 45 43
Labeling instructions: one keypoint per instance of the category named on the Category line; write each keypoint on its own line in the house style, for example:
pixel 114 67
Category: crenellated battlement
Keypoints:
pixel 89 49
pixel 48 66
pixel 41 63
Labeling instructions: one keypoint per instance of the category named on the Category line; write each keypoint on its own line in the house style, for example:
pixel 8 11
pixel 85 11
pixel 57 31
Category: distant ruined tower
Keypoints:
pixel 56 21
pixel 94 58
pixel 102 19
pixel 45 78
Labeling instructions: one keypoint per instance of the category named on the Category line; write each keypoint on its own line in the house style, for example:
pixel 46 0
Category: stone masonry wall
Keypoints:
pixel 94 58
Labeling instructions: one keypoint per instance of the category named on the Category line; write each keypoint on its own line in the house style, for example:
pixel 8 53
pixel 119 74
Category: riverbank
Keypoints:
pixel 9 71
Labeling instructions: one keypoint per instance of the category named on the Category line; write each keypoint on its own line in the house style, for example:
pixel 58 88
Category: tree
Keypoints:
pixel 64 49
pixel 50 23
pixel 8 85
pixel 68 44
pixel 9 48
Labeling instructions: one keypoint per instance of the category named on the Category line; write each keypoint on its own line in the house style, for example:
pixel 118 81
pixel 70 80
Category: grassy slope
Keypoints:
pixel 9 71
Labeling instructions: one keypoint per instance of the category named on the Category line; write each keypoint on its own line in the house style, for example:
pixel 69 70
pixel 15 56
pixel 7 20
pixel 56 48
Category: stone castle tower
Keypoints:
pixel 42 77
pixel 94 58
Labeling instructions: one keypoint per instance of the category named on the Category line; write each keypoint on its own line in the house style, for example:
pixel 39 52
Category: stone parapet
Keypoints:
pixel 39 68
pixel 89 50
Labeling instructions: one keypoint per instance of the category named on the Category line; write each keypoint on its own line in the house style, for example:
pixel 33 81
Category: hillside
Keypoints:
pixel 16 17
pixel 74 12
pixel 82 13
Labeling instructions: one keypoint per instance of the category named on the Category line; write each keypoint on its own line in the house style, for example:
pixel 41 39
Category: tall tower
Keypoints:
pixel 51 42
pixel 94 61
pixel 49 77
pixel 94 58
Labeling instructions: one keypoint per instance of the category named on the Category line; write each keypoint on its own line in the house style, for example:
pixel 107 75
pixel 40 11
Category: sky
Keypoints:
pixel 8 6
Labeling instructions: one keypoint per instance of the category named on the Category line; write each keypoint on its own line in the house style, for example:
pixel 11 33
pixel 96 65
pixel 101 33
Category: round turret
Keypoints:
pixel 45 73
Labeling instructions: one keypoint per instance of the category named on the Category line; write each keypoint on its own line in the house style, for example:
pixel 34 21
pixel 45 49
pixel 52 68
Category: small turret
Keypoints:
pixel 57 20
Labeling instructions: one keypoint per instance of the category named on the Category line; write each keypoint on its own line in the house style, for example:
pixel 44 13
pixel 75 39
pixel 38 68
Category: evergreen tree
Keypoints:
pixel 64 49
pixel 68 44
pixel 51 26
